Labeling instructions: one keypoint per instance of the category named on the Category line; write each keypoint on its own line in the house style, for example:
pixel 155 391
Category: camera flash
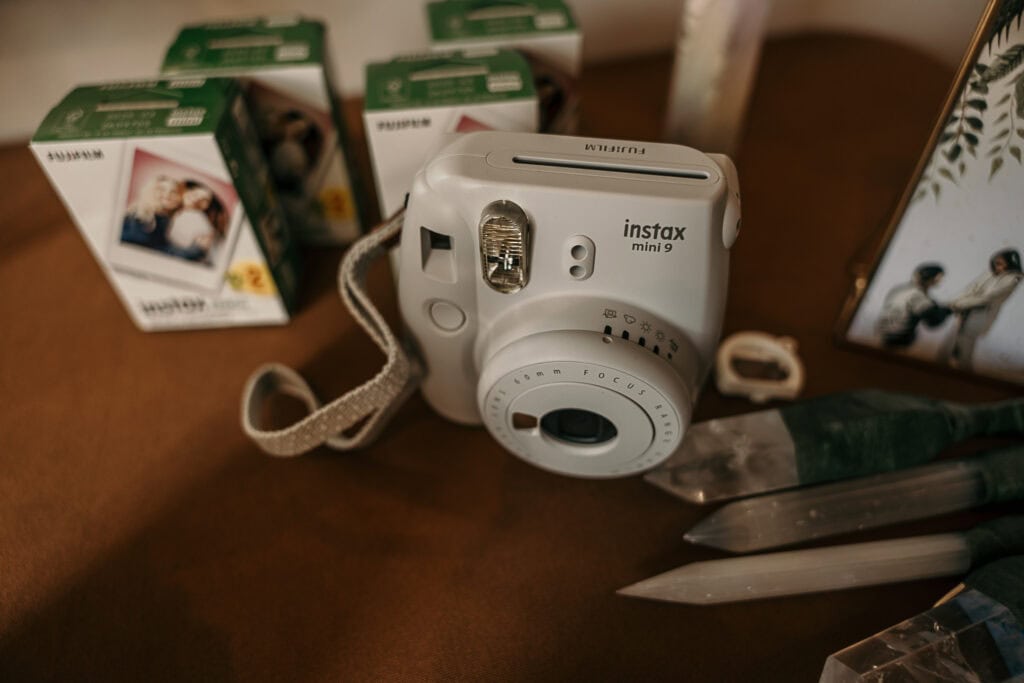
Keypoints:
pixel 505 246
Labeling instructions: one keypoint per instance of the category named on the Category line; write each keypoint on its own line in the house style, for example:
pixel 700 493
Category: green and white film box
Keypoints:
pixel 165 181
pixel 543 30
pixel 284 66
pixel 413 103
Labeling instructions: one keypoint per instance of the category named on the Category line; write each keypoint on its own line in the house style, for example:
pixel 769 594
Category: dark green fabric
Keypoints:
pixel 1004 474
pixel 995 539
pixel 865 432
pixel 1004 417
pixel 1003 581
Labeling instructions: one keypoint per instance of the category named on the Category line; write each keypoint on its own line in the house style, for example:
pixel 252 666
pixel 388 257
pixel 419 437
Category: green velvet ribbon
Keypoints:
pixel 1003 471
pixel 995 539
pixel 865 432
pixel 984 419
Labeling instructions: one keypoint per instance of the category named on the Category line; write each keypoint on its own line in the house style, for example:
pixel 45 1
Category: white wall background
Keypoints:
pixel 48 47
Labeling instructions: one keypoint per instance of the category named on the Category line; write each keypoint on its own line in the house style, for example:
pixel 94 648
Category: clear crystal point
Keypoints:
pixel 969 638
pixel 814 512
pixel 730 457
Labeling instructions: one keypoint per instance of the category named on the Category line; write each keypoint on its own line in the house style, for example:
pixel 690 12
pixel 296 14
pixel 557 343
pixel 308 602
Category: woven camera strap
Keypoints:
pixel 371 404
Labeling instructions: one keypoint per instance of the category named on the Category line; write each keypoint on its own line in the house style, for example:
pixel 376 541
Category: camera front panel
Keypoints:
pixel 636 257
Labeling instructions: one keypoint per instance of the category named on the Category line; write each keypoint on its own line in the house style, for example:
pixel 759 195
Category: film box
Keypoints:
pixel 283 65
pixel 167 185
pixel 413 103
pixel 543 30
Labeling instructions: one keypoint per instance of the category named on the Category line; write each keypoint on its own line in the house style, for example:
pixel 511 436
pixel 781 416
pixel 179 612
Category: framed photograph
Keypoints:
pixel 946 285
pixel 178 219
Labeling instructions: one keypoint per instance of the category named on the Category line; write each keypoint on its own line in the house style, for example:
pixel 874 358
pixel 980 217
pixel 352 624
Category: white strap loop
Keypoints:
pixel 375 401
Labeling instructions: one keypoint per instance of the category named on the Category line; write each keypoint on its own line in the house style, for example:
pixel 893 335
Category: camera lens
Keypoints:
pixel 577 426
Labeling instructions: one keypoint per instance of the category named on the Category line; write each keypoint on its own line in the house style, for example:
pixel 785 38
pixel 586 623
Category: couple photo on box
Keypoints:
pixel 175 211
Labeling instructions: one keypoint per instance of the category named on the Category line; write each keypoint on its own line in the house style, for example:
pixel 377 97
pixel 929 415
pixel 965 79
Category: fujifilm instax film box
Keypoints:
pixel 543 30
pixel 413 103
pixel 167 185
pixel 284 67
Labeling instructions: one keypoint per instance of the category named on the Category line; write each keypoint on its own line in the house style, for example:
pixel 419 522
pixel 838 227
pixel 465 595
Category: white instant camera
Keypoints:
pixel 568 292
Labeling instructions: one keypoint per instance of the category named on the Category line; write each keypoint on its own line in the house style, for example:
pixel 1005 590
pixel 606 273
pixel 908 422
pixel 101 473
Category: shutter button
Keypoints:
pixel 447 315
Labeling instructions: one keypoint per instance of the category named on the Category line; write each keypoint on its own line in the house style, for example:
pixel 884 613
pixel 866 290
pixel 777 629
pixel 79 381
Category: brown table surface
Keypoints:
pixel 143 538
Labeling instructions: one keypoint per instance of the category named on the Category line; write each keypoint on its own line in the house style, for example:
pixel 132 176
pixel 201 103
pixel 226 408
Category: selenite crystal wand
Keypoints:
pixel 823 439
pixel 779 519
pixel 836 567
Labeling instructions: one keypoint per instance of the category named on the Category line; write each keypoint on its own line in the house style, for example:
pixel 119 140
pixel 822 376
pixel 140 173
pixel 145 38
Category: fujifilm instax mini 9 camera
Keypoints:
pixel 568 293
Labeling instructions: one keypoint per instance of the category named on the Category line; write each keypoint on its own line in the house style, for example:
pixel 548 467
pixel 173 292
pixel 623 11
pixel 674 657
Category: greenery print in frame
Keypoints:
pixel 946 288
pixel 977 123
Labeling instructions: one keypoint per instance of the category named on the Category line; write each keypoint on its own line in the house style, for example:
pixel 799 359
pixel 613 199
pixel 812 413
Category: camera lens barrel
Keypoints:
pixel 585 404
pixel 576 426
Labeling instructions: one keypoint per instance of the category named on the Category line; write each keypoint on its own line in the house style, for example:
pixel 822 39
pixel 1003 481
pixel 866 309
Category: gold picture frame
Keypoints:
pixel 943 286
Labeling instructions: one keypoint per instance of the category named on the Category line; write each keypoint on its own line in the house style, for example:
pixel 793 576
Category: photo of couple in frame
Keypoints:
pixel 945 287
